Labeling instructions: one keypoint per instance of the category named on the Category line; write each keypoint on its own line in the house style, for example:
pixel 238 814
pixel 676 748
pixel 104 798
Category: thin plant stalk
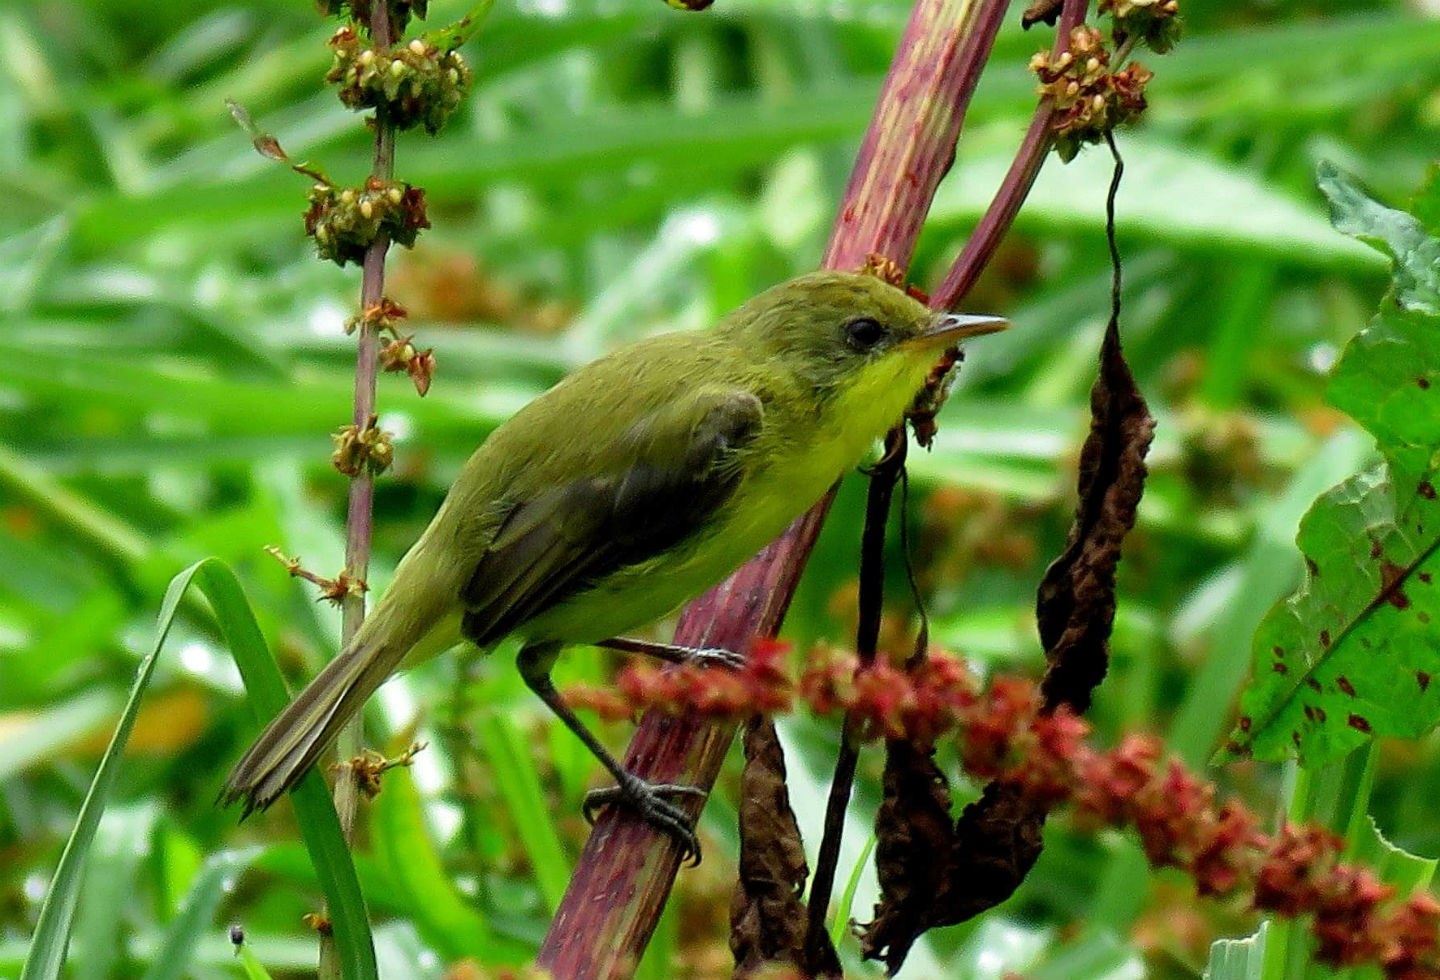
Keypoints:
pixel 359 519
pixel 1000 215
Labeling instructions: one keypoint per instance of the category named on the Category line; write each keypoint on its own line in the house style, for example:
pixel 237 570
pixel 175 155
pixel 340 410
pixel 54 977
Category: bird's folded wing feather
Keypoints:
pixel 671 471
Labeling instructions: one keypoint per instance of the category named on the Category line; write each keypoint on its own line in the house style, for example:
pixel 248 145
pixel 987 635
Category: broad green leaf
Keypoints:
pixel 1353 653
pixel 1400 235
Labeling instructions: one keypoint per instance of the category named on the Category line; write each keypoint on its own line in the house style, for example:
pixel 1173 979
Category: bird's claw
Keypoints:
pixel 716 657
pixel 647 800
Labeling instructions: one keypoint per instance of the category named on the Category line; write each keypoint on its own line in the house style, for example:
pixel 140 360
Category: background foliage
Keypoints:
pixel 176 360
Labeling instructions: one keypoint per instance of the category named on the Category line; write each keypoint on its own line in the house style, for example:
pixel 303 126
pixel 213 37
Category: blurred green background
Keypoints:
pixel 174 361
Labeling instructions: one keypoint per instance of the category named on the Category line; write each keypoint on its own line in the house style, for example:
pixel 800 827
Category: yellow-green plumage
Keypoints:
pixel 633 485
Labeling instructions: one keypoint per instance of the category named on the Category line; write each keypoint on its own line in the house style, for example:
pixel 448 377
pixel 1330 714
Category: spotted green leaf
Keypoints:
pixel 1399 234
pixel 1355 651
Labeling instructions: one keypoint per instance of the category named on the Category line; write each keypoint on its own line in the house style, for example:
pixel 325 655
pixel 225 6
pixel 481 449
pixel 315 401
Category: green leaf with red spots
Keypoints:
pixel 1355 652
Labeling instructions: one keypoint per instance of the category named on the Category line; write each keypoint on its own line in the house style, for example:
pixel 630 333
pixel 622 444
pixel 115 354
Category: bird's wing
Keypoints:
pixel 672 470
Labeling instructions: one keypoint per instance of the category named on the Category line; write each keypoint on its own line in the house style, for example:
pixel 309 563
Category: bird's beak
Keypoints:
pixel 951 328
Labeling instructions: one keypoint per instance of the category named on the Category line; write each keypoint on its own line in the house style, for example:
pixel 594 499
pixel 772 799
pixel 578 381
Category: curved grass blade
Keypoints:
pixel 267 695
pixel 52 931
pixel 197 912
pixel 250 964
pixel 840 928
pixel 314 813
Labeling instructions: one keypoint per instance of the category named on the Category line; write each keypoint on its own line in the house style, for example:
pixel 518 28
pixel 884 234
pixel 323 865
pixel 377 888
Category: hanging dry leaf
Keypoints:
pixel 767 916
pixel 914 851
pixel 1075 608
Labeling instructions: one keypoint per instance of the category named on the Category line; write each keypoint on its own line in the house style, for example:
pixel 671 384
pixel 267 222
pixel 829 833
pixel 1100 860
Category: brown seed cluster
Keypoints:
pixel 413 84
pixel 358 449
pixel 1089 99
pixel 367 767
pixel 398 353
pixel 1156 23
pixel 345 221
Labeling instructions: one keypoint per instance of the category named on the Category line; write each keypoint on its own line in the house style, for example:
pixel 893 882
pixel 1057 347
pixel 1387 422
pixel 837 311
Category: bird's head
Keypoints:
pixel 863 346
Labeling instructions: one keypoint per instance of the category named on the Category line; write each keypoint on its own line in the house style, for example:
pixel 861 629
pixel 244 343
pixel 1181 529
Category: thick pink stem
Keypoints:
pixel 627 868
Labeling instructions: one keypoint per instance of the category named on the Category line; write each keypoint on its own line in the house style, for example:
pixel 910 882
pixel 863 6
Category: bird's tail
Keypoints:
pixel 290 744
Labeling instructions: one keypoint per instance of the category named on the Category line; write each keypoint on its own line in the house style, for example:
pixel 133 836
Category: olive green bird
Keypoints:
pixel 633 485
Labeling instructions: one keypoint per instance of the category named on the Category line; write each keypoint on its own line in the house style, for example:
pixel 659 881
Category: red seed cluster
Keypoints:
pixel 1002 734
pixel 920 704
pixel 762 686
pixel 1294 873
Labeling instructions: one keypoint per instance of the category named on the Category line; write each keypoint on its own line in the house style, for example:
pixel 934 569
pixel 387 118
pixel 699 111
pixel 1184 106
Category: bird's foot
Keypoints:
pixel 716 657
pixel 647 799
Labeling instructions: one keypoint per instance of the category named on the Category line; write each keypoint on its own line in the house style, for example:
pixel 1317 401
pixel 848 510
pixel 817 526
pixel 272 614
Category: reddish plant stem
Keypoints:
pixel 998 218
pixel 890 186
pixel 359 517
pixel 626 869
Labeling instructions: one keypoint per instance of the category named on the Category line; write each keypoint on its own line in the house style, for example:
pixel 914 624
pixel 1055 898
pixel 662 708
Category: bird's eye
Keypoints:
pixel 864 333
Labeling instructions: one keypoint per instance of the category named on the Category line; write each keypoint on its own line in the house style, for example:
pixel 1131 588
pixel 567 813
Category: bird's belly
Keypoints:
pixel 647 591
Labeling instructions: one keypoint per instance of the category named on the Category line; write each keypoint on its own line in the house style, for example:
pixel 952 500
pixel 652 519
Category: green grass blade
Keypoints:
pixel 316 816
pixel 121 841
pixel 518 783
pixel 52 931
pixel 405 852
pixel 250 965
pixel 841 926
pixel 197 912
pixel 314 813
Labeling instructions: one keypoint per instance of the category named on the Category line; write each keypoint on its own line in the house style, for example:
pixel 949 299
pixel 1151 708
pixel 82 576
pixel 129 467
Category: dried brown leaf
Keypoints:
pixel 1075 607
pixel 914 851
pixel 767 915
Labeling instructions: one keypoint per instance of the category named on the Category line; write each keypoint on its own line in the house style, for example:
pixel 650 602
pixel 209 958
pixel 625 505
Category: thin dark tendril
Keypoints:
pixel 922 637
pixel 1110 231
pixel 882 474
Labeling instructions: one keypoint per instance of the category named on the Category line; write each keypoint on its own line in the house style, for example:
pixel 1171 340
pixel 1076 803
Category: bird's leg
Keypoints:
pixel 673 654
pixel 630 790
